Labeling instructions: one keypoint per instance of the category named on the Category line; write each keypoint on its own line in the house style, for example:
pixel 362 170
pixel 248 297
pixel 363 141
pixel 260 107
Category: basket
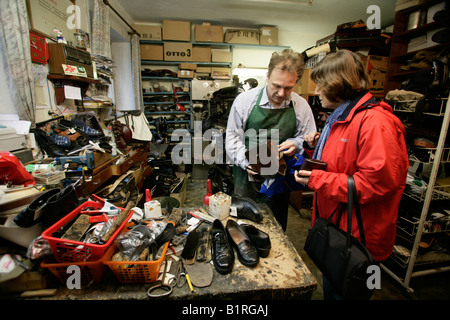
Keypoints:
pixel 76 251
pixel 91 271
pixel 135 271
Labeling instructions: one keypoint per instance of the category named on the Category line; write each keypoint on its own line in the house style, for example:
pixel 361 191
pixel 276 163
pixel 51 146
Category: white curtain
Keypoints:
pixel 16 57
pixel 136 66
pixel 101 30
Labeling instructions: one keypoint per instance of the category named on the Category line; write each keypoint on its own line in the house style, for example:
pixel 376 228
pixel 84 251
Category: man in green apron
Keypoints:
pixel 275 113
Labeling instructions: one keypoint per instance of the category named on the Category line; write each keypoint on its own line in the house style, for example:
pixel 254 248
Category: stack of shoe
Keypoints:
pixel 66 136
pixel 250 244
pixel 421 60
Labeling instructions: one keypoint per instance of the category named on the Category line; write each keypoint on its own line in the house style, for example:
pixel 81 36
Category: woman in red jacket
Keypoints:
pixel 362 138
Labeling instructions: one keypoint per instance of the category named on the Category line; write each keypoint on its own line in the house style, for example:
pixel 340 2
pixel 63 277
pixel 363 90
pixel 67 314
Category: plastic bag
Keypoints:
pixel 12 171
pixel 133 242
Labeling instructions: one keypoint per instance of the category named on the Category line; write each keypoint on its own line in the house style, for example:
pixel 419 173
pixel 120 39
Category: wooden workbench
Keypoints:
pixel 281 276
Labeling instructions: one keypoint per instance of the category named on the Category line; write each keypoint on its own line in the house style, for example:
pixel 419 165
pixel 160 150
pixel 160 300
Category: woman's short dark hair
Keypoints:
pixel 341 75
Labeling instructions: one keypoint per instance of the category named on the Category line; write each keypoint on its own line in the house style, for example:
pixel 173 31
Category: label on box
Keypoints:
pixel 78 71
pixel 177 52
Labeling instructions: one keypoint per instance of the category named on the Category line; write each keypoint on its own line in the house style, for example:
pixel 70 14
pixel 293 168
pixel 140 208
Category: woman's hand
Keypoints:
pixel 312 138
pixel 302 176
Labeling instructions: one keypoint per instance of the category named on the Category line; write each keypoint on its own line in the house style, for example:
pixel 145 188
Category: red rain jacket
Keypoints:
pixel 379 169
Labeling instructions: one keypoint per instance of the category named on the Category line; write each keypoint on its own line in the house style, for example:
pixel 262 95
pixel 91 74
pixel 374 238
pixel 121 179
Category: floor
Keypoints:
pixel 429 287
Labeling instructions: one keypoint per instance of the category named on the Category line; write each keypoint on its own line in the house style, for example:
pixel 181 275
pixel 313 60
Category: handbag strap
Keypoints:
pixel 354 203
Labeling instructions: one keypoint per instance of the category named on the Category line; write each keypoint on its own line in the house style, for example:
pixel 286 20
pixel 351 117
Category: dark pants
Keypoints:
pixel 279 205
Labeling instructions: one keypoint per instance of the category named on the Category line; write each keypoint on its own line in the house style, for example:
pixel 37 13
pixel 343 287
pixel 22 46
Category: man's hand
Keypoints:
pixel 312 138
pixel 288 147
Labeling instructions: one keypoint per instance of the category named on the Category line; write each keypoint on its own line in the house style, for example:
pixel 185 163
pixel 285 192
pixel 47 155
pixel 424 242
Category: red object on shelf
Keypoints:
pixel 208 192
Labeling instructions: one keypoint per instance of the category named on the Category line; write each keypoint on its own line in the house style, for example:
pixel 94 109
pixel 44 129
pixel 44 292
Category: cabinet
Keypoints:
pixel 421 225
pixel 404 35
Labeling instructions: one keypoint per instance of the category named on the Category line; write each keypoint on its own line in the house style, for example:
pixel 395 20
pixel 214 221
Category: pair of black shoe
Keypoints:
pixel 48 208
pixel 250 243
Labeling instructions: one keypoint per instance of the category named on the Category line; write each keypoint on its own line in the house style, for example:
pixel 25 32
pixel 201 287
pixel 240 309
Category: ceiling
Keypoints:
pixel 320 18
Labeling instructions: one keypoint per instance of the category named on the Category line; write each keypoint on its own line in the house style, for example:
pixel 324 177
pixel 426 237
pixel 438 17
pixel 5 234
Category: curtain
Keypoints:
pixel 136 66
pixel 101 30
pixel 16 57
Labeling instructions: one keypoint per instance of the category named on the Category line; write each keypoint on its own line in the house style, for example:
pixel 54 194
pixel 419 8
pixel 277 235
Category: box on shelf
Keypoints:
pixel 201 54
pixel 306 86
pixel 220 73
pixel 208 33
pixel 203 70
pixel 268 36
pixel 376 67
pixel 242 36
pixel 177 51
pixel 152 52
pixel 185 73
pixel 176 30
pixel 148 32
pixel 188 66
pixel 221 56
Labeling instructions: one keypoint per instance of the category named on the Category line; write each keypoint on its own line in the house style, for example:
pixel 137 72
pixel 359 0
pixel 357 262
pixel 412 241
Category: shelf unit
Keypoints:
pixel 399 54
pixel 410 261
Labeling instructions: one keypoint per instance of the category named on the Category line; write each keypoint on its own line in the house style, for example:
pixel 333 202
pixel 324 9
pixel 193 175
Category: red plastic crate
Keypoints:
pixel 91 271
pixel 76 251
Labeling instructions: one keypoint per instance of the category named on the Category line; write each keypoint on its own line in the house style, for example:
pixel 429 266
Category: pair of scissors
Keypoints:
pixel 160 288
pixel 180 275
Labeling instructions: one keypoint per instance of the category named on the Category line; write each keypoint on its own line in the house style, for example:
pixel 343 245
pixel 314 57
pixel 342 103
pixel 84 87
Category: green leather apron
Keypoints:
pixel 283 119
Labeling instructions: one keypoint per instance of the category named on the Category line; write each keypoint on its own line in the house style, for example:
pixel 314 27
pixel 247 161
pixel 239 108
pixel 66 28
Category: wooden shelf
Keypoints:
pixel 60 80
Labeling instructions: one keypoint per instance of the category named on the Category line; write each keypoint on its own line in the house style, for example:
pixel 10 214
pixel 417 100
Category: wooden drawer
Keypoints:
pixel 136 156
pixel 98 180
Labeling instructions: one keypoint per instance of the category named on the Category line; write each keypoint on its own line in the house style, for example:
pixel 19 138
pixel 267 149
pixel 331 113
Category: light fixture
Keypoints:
pixel 250 72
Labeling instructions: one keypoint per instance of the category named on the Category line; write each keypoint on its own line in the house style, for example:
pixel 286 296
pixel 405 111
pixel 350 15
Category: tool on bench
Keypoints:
pixel 160 288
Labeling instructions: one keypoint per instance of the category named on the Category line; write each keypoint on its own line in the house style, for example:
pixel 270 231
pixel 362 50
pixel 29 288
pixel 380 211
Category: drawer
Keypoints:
pixel 136 155
pixel 98 180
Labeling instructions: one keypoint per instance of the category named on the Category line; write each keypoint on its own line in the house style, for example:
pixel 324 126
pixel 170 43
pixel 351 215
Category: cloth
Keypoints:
pixel 379 165
pixel 240 112
pixel 332 119
pixel 138 125
pixel 280 184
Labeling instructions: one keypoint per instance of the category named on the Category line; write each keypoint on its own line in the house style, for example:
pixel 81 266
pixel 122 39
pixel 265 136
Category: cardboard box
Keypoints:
pixel 201 54
pixel 176 30
pixel 306 86
pixel 208 33
pixel 152 52
pixel 177 51
pixel 242 36
pixel 221 56
pixel 268 36
pixel 185 73
pixel 188 66
pixel 221 73
pixel 148 32
pixel 203 70
pixel 376 66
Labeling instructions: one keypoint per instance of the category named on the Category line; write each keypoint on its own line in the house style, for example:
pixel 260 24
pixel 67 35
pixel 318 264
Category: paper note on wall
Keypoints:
pixel 72 92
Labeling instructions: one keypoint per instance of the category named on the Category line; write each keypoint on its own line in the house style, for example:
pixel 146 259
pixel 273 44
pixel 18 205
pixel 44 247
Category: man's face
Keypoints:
pixel 280 85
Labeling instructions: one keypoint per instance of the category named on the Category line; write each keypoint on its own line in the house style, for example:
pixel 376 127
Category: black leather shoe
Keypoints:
pixel 246 251
pixel 31 215
pixel 260 239
pixel 59 205
pixel 246 208
pixel 222 252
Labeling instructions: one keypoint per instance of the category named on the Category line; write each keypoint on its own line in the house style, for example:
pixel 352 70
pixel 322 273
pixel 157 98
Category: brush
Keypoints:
pixel 190 247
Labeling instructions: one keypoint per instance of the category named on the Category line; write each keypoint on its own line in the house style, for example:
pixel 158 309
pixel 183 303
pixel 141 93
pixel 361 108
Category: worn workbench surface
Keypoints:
pixel 282 275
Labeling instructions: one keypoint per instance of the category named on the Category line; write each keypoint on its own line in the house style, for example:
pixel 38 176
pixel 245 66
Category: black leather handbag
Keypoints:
pixel 341 258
